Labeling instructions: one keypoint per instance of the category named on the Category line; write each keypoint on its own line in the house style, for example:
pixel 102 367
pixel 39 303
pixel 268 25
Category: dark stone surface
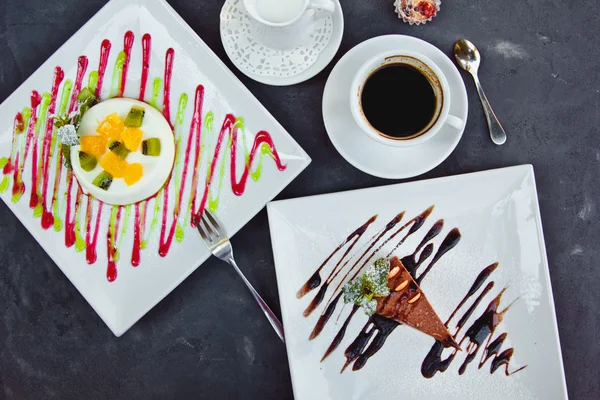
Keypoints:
pixel 541 74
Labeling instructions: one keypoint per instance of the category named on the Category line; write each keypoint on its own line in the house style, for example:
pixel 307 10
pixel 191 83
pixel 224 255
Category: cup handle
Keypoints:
pixel 326 5
pixel 455 122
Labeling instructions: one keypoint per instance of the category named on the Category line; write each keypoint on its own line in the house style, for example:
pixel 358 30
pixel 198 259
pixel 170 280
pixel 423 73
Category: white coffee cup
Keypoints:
pixel 285 24
pixel 436 78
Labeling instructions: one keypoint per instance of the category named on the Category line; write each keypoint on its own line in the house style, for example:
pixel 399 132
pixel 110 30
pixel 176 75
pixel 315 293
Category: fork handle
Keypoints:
pixel 275 323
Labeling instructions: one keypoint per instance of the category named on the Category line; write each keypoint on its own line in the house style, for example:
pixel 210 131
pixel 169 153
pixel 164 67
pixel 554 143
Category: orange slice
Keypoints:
pixel 112 127
pixel 132 138
pixel 133 173
pixel 94 145
pixel 114 165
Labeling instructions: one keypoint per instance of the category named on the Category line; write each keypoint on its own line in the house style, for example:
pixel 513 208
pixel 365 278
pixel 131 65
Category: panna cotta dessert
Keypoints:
pixel 125 153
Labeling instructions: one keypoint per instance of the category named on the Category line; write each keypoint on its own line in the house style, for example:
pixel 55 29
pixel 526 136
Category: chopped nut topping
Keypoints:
pixel 401 286
pixel 417 297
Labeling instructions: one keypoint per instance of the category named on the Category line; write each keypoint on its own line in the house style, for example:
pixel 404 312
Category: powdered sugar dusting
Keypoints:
pixel 509 50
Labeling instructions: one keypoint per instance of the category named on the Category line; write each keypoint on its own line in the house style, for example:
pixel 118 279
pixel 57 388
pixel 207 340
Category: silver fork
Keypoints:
pixel 220 246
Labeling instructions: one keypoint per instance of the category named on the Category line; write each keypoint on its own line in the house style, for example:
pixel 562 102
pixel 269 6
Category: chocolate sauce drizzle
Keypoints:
pixel 325 317
pixel 315 280
pixel 448 244
pixel 316 301
pixel 411 263
pixel 340 335
pixel 480 331
pixel 377 325
pixel 415 224
pixel 375 332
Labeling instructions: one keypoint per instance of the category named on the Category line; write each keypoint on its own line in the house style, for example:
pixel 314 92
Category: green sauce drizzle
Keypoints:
pixel 5 182
pixel 39 125
pixel 179 234
pixel 26 115
pixel 26 118
pixel 255 174
pixel 208 128
pixel 115 87
pixel 124 228
pixel 93 81
pixel 57 210
pixel 155 92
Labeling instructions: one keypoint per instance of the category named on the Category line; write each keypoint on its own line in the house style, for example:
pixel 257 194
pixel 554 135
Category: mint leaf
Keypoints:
pixel 353 291
pixel 66 152
pixel 376 278
pixel 373 283
pixel 61 120
pixel 369 306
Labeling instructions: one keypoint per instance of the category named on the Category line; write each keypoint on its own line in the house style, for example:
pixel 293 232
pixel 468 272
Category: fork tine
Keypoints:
pixel 212 232
pixel 202 232
pixel 213 220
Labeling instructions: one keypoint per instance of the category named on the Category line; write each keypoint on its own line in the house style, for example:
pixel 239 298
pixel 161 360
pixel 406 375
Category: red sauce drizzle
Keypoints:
pixel 195 131
pixel 91 240
pixel 47 217
pixel 139 228
pixel 104 53
pixel 127 45
pixel 167 84
pixel 146 47
pixel 36 99
pixel 19 123
pixel 70 236
pixel 111 270
pixel 238 187
pixel 13 162
pixel 81 68
pixel 18 127
pixel 18 185
pixel 36 170
pixel 82 65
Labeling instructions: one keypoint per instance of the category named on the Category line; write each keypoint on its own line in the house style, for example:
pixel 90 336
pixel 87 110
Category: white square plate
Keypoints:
pixel 498 218
pixel 125 30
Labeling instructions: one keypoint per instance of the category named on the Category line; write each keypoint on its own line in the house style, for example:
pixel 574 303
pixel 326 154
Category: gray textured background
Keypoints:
pixel 541 73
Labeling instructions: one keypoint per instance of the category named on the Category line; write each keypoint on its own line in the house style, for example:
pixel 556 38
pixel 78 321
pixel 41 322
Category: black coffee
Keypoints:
pixel 398 100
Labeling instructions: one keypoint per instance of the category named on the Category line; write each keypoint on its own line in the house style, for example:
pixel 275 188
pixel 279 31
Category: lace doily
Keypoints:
pixel 250 55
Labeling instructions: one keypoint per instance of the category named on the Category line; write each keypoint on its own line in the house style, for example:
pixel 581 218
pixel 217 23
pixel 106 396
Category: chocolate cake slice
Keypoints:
pixel 408 305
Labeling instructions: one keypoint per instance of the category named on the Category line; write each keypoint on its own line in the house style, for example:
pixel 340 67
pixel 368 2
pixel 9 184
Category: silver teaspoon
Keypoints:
pixel 468 57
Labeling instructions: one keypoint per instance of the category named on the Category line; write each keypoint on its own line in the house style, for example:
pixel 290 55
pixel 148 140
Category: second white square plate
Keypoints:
pixel 497 215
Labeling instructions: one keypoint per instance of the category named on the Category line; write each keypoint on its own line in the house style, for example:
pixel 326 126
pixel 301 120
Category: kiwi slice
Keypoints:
pixel 66 152
pixel 88 162
pixel 119 149
pixel 135 117
pixel 103 180
pixel 86 96
pixel 151 147
pixel 86 99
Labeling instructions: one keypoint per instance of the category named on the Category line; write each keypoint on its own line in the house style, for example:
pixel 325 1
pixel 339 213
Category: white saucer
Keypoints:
pixel 323 59
pixel 363 152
